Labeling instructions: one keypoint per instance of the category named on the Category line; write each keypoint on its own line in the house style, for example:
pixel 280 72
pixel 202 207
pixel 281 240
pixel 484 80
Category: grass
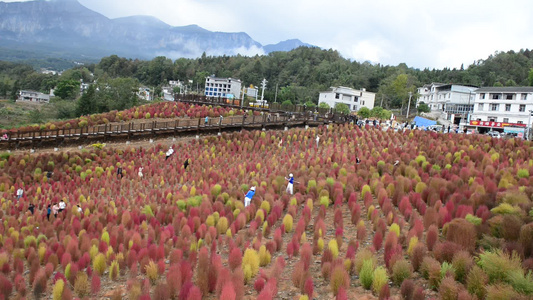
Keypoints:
pixel 17 114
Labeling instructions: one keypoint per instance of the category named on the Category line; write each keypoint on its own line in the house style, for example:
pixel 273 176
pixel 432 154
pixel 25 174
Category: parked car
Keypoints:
pixel 494 134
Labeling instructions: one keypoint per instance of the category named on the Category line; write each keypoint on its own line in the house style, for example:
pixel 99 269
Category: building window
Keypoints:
pixel 482 96
pixel 520 122
pixel 522 108
pixel 509 96
pixel 507 107
pixel 480 106
pixel 493 119
pixel 336 95
pixel 524 96
pixel 494 107
pixel 505 120
pixel 354 107
pixel 495 96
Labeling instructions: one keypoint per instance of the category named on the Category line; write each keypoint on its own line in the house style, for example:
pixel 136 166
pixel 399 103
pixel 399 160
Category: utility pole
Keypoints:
pixel 242 100
pixel 529 126
pixel 263 86
pixel 409 104
pixel 276 95
pixel 381 100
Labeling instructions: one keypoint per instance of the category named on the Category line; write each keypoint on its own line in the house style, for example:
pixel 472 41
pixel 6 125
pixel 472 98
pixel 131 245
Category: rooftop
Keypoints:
pixel 506 89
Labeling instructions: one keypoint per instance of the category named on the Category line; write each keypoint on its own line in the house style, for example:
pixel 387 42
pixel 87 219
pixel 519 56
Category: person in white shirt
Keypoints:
pixel 20 192
pixel 317 140
pixel 79 209
pixel 140 172
pixel 169 152
pixel 62 205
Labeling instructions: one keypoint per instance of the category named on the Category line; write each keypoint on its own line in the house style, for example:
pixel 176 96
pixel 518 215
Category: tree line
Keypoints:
pixel 299 75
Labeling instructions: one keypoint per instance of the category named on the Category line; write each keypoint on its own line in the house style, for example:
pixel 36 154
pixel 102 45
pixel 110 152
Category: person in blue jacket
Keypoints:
pixel 248 197
pixel 290 185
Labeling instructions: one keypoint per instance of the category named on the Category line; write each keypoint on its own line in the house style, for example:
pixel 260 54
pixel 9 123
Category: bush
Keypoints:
pixel 114 270
pixel 161 292
pixel 95 284
pixel 448 289
pixel 235 258
pixel 366 275
pixel 99 264
pixel 462 263
pixel 57 292
pixel 462 232
pixel 401 270
pixel 526 239
pixel 332 246
pixel 264 256
pixel 432 237
pixel 82 286
pixel 250 264
pixel 222 225
pixel 419 252
pixel 523 173
pixel 361 256
pixel 152 272
pixel 498 265
pixel 510 226
pixel 476 280
pixel 380 278
pixel 521 283
pixel 339 279
pixel 407 289
pixel 501 292
pixel 287 222
pixel 228 292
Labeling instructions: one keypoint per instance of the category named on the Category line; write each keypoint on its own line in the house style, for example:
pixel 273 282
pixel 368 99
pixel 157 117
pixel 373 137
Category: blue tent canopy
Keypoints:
pixel 422 122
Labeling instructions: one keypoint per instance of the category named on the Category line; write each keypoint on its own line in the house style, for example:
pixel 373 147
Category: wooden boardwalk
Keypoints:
pixel 176 127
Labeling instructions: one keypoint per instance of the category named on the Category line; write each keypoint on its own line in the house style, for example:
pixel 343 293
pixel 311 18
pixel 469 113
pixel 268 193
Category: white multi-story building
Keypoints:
pixel 501 107
pixel 33 96
pixel 355 99
pixel 448 99
pixel 222 87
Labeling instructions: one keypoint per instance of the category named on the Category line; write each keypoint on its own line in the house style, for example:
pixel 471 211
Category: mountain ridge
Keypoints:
pixel 66 26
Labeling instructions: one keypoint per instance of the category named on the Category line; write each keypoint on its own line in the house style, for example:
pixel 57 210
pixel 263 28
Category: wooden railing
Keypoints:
pixel 175 126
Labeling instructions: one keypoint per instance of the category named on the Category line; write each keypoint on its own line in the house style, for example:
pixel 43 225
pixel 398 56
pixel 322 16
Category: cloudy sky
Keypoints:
pixel 421 33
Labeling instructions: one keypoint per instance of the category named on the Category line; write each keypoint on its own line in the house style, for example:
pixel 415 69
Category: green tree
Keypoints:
pixel 530 77
pixel 342 108
pixel 423 108
pixel 36 116
pixel 67 89
pixel 310 104
pixel 363 112
pixel 118 94
pixel 65 109
pixel 286 104
pixel 324 105
pixel 87 104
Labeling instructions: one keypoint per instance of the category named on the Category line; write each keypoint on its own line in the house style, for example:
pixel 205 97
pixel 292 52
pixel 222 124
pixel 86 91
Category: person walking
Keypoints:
pixel 79 209
pixel 31 208
pixel 140 173
pixel 290 185
pixel 169 152
pixel 206 120
pixel 220 120
pixel 62 205
pixel 20 192
pixel 55 209
pixel 48 212
pixel 186 164
pixel 248 196
pixel 449 128
pixel 119 172
pixel 317 140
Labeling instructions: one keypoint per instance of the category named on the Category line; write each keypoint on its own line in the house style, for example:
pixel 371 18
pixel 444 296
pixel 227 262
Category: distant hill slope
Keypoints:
pixel 287 45
pixel 65 28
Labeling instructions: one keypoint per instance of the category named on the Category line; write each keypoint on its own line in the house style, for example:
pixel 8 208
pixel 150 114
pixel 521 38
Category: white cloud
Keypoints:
pixel 431 33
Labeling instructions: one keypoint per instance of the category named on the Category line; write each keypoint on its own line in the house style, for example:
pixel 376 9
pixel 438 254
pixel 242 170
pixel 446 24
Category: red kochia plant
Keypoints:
pixel 259 284
pixel 407 289
pixel 306 254
pixel 341 294
pixel 462 232
pixel 377 240
pixel 228 292
pixel 337 219
pixel 174 280
pixel 203 270
pixel 5 287
pixel 235 258
pixel 194 293
pixel 161 292
pixel 95 284
pixel 432 237
pixel 309 287
pixel 300 275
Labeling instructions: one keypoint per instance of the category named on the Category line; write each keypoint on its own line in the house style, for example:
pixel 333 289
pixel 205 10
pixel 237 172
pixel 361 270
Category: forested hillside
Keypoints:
pixel 299 74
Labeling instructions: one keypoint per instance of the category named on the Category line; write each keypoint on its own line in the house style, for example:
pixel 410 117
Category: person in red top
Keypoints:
pixel 55 209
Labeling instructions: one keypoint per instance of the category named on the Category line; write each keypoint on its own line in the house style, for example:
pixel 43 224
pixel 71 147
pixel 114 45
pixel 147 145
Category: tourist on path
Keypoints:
pixel 169 152
pixel 20 192
pixel 248 196
pixel 290 185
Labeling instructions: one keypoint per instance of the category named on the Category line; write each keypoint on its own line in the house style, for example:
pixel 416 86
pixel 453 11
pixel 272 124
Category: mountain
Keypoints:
pixel 65 28
pixel 287 45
